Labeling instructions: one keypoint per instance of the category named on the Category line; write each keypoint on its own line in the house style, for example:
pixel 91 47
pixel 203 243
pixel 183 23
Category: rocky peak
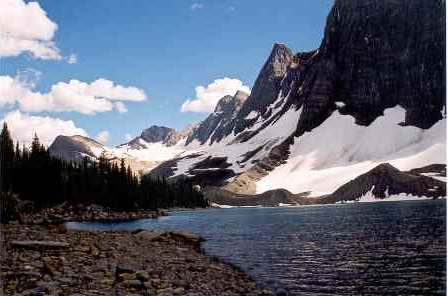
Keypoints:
pixel 224 104
pixel 267 85
pixel 220 123
pixel 279 60
pixel 156 134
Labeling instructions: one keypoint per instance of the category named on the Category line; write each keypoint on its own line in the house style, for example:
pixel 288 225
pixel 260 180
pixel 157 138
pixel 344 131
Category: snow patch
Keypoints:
pixel 150 152
pixel 235 151
pixel 340 104
pixel 252 115
pixel 339 150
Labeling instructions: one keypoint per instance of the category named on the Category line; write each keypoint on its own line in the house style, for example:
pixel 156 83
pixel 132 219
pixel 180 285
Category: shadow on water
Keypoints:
pixel 386 248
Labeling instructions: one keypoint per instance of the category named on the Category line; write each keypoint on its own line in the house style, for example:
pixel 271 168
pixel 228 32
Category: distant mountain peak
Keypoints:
pixel 75 147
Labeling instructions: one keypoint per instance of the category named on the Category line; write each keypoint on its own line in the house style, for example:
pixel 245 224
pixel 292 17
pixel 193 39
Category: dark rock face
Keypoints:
pixel 386 178
pixel 74 147
pixel 156 134
pixel 437 169
pixel 384 53
pixel 220 123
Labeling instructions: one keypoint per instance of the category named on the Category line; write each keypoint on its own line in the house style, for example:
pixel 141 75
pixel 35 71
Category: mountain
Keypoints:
pixel 320 121
pixel 159 134
pixel 75 148
pixel 372 93
pixel 155 145
pixel 386 182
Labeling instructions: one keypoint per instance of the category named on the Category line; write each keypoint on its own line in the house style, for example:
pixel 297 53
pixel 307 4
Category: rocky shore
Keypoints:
pixel 25 213
pixel 51 260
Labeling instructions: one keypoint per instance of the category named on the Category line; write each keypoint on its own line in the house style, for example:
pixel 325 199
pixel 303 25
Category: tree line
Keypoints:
pixel 33 174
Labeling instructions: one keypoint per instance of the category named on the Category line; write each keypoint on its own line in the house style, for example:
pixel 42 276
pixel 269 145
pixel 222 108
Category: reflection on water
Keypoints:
pixel 393 248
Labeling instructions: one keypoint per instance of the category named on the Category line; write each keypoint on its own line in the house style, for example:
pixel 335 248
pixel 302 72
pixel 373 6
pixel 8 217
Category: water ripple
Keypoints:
pixel 362 249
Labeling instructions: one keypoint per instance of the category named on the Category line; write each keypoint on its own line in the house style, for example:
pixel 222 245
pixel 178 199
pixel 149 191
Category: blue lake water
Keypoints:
pixel 385 248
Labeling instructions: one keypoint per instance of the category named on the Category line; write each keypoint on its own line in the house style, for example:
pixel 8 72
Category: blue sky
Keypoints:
pixel 165 48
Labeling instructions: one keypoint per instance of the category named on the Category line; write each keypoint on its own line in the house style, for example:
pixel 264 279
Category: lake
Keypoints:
pixel 383 248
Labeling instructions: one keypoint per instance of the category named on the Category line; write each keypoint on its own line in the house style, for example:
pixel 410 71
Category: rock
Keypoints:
pixel 150 235
pixel 179 291
pixel 165 292
pixel 94 251
pixel 132 283
pixel 186 237
pixel 142 275
pixel 39 245
pixel 126 276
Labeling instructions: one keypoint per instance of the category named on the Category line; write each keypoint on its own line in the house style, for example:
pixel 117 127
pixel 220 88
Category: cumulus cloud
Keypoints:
pixel 196 6
pixel 25 27
pixel 208 96
pixel 72 96
pixel 23 127
pixel 103 137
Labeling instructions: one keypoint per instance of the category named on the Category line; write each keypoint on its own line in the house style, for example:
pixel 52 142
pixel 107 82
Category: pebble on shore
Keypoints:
pixel 40 260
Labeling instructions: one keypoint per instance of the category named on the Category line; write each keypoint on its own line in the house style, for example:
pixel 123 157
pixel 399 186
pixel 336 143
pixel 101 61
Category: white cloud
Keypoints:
pixel 196 6
pixel 128 137
pixel 72 96
pixel 120 107
pixel 106 89
pixel 25 27
pixel 23 127
pixel 28 77
pixel 72 59
pixel 208 96
pixel 103 137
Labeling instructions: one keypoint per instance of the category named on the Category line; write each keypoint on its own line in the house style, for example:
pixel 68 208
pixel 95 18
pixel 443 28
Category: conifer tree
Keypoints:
pixel 6 158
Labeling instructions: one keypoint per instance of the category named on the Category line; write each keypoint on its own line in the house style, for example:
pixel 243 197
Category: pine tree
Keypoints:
pixel 6 159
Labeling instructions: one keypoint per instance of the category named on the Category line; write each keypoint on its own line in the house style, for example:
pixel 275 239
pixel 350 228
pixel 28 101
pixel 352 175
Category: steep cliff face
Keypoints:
pixel 377 54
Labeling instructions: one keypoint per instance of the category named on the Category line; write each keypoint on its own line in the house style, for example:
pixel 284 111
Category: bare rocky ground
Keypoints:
pixel 51 260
